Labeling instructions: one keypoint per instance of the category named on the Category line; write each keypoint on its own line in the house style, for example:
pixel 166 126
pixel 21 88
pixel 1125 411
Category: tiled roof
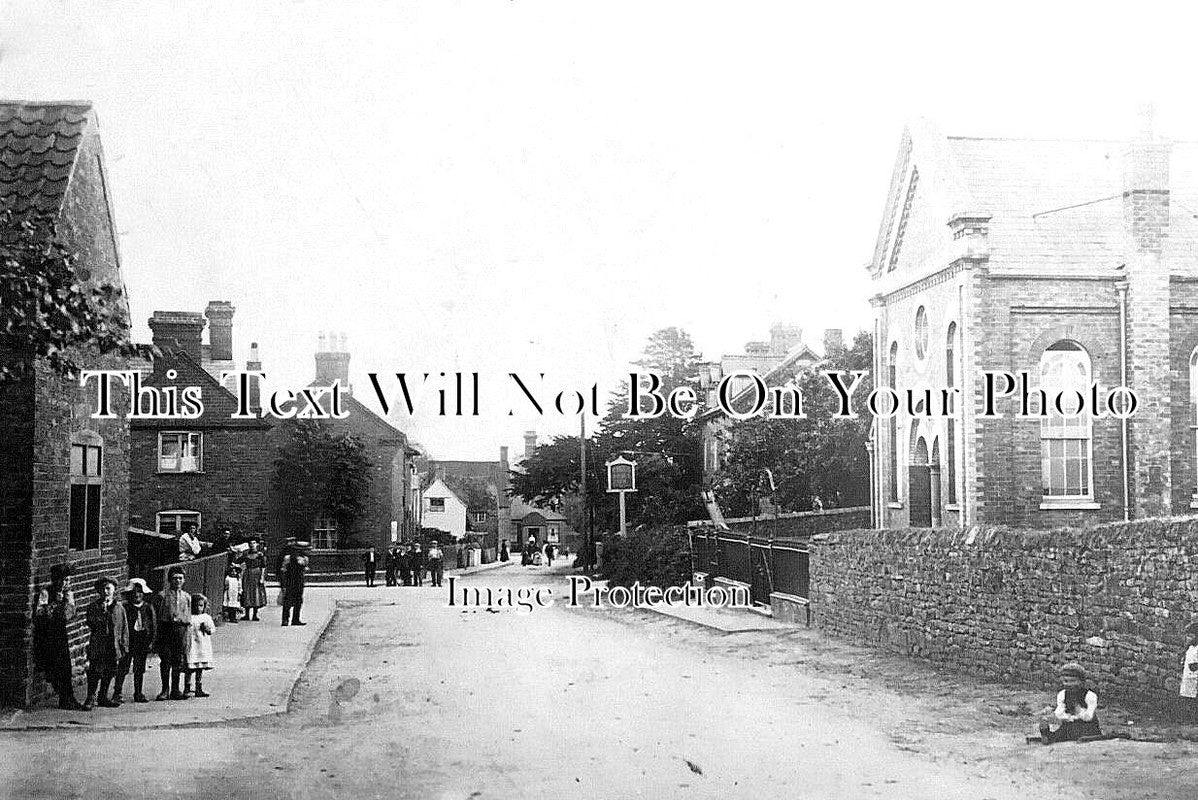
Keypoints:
pixel 1057 204
pixel 38 143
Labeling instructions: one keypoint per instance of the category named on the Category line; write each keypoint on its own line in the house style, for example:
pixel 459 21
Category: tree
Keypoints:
pixel 819 456
pixel 321 473
pixel 666 449
pixel 52 311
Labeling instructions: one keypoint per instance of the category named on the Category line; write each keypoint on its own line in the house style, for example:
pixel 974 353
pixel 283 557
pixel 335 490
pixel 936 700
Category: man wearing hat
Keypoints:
pixel 436 563
pixel 52 614
pixel 1077 708
pixel 292 568
pixel 142 623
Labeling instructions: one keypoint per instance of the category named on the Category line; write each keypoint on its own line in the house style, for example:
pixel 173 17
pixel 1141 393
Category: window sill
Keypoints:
pixel 180 472
pixel 1066 504
pixel 953 507
pixel 894 504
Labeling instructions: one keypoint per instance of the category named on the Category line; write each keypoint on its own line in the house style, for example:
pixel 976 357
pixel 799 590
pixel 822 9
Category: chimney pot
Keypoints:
pixel 179 331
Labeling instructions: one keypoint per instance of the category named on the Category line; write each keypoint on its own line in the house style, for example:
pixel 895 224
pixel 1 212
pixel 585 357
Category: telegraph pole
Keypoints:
pixel 582 459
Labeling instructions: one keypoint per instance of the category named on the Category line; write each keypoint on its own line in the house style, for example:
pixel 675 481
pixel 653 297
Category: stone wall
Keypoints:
pixel 1012 605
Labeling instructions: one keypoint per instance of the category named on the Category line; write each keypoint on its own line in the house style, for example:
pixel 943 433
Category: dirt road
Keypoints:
pixel 406 697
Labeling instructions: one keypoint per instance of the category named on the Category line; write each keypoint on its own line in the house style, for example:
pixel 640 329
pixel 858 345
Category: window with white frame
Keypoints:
pixel 324 533
pixel 87 457
pixel 1066 444
pixel 180 451
pixel 176 520
pixel 436 504
pixel 479 517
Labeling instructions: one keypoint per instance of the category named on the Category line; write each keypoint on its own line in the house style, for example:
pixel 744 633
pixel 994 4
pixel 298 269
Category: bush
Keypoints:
pixel 652 557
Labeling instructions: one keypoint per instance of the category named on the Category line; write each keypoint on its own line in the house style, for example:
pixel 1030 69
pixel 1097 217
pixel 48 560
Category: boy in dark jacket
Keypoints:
pixel 107 644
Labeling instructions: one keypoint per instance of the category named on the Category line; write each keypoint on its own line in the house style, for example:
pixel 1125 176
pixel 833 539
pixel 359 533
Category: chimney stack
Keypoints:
pixel 784 338
pixel 503 455
pixel 332 361
pixel 1146 224
pixel 179 332
pixel 220 330
pixel 255 390
pixel 530 442
pixel 833 341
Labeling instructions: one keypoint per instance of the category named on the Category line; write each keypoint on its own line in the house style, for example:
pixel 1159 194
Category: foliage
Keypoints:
pixel 52 309
pixel 651 556
pixel 667 451
pixel 321 473
pixel 820 456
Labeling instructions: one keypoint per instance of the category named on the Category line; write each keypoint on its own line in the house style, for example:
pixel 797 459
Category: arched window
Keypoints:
pixel 1066 447
pixel 1194 412
pixel 921 332
pixel 950 444
pixel 892 382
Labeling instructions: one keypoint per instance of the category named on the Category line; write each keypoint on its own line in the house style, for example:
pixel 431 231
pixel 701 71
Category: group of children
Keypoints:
pixel 175 625
pixel 1076 709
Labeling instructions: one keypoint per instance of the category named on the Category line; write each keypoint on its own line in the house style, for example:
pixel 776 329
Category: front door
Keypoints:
pixel 919 487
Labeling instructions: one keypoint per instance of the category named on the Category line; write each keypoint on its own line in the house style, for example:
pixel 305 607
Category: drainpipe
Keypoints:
pixel 1121 288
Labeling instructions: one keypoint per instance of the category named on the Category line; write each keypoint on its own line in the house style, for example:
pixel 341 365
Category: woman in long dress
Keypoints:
pixel 253 581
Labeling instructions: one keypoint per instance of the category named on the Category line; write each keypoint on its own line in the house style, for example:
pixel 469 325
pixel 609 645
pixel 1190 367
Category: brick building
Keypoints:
pixel 214 470
pixel 485 486
pixel 543 524
pixel 776 362
pixel 390 504
pixel 1075 261
pixel 63 475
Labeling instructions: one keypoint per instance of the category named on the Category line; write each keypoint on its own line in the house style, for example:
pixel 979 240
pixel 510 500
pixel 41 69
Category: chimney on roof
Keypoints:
pixel 784 338
pixel 332 360
pixel 530 442
pixel 833 340
pixel 1146 289
pixel 503 455
pixel 1146 186
pixel 255 390
pixel 178 332
pixel 220 330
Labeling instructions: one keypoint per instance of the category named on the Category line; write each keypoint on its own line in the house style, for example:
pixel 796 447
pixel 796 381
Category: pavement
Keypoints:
pixel 257 667
pixel 406 695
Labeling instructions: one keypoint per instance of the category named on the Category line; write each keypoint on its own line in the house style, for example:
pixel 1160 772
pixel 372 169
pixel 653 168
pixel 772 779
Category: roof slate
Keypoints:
pixel 38 146
pixel 1057 204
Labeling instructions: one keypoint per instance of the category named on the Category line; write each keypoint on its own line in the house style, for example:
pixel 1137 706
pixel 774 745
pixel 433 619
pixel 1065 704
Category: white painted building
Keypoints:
pixel 444 510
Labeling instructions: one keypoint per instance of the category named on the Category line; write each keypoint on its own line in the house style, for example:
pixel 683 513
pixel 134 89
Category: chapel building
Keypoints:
pixel 1073 261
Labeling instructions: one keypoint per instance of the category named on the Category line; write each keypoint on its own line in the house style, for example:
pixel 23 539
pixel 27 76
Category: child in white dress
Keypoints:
pixel 199 646
pixel 231 605
pixel 1188 691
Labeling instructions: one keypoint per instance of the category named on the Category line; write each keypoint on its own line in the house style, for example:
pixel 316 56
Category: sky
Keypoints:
pixel 536 187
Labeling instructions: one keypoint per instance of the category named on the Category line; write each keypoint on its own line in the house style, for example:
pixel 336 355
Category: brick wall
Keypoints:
pixel 232 489
pixel 800 524
pixel 38 417
pixel 1012 605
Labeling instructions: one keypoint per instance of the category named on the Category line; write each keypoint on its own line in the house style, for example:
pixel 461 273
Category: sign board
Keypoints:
pixel 621 475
